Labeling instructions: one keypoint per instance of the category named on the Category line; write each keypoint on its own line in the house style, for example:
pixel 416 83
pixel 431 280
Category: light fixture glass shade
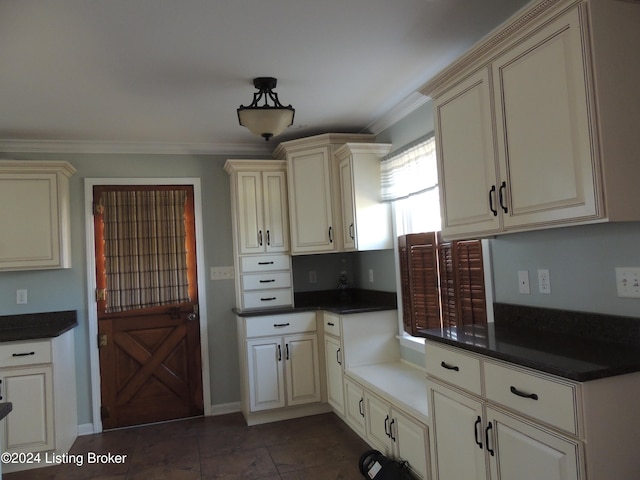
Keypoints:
pixel 266 121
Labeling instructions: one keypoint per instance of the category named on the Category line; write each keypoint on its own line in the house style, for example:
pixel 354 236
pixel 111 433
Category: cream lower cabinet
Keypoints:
pixel 333 356
pixel 271 360
pixel 493 419
pixel 281 367
pixel 396 434
pixel 468 437
pixel 354 407
pixel 38 378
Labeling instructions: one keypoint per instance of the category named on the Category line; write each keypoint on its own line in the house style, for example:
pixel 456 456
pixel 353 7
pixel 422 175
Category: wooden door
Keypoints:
pixel 147 300
pixel 252 233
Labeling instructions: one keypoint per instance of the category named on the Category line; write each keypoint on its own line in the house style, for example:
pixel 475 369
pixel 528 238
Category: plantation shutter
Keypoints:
pixel 419 284
pixel 442 282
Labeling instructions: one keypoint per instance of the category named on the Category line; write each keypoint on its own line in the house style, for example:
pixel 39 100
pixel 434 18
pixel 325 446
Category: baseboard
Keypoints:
pixel 219 409
pixel 85 429
pixel 225 408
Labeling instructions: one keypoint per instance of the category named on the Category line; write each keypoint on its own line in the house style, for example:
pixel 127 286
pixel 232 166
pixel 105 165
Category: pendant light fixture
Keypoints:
pixel 266 120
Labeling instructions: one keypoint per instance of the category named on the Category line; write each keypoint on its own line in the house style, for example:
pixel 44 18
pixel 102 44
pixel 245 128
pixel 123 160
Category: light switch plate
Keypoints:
pixel 523 282
pixel 222 273
pixel 628 282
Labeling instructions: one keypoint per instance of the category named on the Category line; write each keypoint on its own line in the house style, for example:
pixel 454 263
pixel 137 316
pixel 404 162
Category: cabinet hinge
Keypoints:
pixel 98 208
pixel 102 340
pixel 101 294
pixel 104 412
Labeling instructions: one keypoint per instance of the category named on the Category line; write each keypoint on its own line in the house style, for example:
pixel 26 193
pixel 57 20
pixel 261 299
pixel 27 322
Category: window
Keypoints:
pixel 441 282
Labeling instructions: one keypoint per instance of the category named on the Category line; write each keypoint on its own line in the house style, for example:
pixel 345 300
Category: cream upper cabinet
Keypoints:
pixel 366 221
pixel 315 209
pixel 467 170
pixel 312 214
pixel 259 189
pixel 532 124
pixel 34 213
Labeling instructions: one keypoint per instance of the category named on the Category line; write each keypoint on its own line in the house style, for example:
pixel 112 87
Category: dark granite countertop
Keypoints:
pixel 36 325
pixel 538 338
pixel 5 408
pixel 340 302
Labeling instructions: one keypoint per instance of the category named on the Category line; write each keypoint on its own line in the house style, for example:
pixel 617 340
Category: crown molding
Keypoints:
pixel 130 148
pixel 411 103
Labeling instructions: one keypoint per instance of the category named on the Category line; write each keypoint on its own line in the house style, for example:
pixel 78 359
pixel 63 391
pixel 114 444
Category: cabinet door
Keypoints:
pixel 544 128
pixel 458 444
pixel 354 406
pixel 467 172
pixel 303 369
pixel 333 357
pixel 250 213
pixel 411 442
pixel 526 452
pixel 378 419
pixel 30 236
pixel 266 373
pixel 348 206
pixel 276 215
pixel 310 207
pixel 29 427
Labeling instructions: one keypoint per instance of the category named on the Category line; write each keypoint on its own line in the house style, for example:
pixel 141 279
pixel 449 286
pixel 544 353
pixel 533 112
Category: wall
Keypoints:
pixel 581 262
pixel 66 289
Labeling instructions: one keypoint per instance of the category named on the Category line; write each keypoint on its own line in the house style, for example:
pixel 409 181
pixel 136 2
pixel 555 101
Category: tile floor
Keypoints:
pixel 320 447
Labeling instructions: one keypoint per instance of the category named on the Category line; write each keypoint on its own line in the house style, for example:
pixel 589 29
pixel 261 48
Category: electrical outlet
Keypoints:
pixel 523 282
pixel 628 282
pixel 21 297
pixel 371 275
pixel 544 282
pixel 313 277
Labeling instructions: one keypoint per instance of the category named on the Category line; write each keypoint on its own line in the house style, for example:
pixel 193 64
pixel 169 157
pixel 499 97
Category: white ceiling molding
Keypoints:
pixel 132 148
pixel 397 113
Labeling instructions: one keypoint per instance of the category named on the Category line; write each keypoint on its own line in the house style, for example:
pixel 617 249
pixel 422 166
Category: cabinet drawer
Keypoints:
pixel 331 324
pixel 31 352
pixel 454 367
pixel 532 394
pixel 264 263
pixel 263 281
pixel 270 325
pixel 268 298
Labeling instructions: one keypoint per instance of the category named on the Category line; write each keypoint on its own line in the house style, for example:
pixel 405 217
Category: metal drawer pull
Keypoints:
pixel 360 407
pixel 265 263
pixel 267 299
pixel 268 281
pixel 276 325
pixel 338 356
pixel 331 324
pixel 475 431
pixel 23 354
pixel 486 439
pixel 450 367
pixel 517 392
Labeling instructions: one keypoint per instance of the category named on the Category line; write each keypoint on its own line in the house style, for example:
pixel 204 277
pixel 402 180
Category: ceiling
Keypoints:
pixel 165 75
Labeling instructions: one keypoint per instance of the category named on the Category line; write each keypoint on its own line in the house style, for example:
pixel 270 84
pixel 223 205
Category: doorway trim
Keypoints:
pixel 92 314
